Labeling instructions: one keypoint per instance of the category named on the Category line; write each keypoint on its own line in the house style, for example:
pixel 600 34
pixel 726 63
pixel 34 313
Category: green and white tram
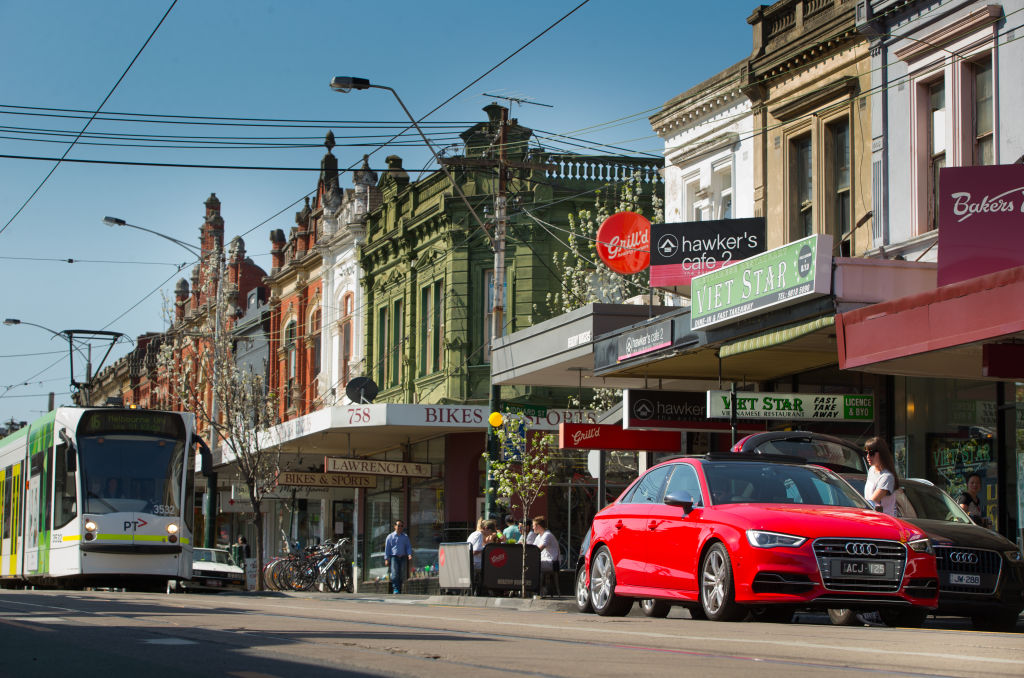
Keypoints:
pixel 98 497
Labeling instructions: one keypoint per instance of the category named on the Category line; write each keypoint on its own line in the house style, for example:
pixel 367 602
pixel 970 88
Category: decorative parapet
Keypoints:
pixel 608 168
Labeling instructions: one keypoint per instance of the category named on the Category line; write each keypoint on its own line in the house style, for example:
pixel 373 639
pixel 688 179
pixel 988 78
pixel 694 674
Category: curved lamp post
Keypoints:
pixel 345 84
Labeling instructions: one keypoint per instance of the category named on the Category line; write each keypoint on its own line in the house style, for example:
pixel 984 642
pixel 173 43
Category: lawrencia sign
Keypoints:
pixel 781 277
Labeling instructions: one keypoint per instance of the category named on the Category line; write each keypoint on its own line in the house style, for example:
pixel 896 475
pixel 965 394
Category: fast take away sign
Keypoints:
pixel 810 406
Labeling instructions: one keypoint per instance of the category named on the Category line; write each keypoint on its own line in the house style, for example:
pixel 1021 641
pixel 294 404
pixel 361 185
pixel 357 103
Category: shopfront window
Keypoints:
pixel 426 508
pixel 384 505
pixel 947 432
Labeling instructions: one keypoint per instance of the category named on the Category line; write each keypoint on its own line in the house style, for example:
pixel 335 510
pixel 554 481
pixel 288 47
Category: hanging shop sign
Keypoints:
pixel 645 340
pixel 683 251
pixel 298 479
pixel 980 221
pixel 376 467
pixel 802 406
pixel 780 277
pixel 624 242
pixel 669 410
pixel 612 437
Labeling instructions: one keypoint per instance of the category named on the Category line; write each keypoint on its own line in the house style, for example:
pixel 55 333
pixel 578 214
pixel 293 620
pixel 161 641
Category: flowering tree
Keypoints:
pixel 524 469
pixel 231 401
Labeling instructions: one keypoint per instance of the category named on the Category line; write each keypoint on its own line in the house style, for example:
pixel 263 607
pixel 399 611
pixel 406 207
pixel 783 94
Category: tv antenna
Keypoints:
pixel 516 100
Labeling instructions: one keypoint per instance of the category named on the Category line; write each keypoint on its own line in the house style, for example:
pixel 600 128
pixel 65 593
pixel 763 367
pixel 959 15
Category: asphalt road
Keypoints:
pixel 109 634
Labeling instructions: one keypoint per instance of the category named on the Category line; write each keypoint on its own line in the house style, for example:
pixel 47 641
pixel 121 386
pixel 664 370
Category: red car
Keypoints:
pixel 725 535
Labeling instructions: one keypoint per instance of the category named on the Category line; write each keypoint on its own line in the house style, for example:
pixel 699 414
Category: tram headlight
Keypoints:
pixel 90 526
pixel 172 528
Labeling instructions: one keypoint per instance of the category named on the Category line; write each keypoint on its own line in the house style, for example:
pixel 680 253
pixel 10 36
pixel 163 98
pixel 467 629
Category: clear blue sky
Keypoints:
pixel 602 70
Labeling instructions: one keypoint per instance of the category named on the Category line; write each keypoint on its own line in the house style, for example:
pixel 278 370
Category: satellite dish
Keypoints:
pixel 361 390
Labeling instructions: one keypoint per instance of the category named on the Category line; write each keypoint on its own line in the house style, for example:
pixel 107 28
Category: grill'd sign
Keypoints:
pixel 624 242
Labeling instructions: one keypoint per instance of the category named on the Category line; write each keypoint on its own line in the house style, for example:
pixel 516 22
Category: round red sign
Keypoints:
pixel 498 557
pixel 624 242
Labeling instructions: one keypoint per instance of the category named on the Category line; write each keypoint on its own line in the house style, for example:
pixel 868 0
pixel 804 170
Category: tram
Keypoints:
pixel 98 497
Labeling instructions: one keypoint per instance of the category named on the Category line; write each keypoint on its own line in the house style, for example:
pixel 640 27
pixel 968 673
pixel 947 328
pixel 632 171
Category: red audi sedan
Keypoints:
pixel 725 535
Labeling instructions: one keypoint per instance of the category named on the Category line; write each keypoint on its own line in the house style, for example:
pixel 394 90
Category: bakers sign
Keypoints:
pixel 624 242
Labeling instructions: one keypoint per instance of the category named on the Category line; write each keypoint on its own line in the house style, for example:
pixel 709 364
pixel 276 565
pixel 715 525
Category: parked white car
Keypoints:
pixel 213 570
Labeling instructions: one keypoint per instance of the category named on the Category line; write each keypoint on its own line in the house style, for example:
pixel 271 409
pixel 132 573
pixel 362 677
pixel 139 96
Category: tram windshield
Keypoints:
pixel 131 473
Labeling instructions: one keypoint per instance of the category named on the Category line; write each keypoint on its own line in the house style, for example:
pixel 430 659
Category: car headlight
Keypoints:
pixel 1014 556
pixel 921 546
pixel 766 540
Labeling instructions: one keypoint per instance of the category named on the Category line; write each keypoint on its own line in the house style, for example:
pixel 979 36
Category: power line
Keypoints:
pixel 98 108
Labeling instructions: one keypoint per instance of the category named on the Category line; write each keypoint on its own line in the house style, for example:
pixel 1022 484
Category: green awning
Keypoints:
pixel 775 337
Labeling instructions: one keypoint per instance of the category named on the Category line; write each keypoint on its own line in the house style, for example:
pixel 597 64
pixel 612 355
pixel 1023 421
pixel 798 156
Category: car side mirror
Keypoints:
pixel 682 499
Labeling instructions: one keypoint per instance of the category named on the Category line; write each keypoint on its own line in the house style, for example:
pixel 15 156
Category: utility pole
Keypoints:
pixel 497 306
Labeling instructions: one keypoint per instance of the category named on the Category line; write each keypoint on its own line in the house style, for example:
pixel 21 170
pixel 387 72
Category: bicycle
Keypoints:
pixel 324 567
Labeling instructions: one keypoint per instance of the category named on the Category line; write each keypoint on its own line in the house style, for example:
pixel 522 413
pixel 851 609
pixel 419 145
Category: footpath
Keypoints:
pixel 552 604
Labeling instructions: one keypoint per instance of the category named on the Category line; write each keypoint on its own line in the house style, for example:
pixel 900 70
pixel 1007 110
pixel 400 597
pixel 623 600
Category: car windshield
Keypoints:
pixel 929 502
pixel 210 556
pixel 753 482
pixel 817 451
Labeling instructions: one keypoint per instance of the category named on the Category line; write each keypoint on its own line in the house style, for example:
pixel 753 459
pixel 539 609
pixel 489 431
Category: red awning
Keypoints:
pixel 940 333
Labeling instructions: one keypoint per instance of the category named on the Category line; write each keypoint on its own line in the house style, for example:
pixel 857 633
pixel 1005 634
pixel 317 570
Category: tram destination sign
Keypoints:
pixel 297 479
pixel 801 406
pixel 780 277
pixel 376 467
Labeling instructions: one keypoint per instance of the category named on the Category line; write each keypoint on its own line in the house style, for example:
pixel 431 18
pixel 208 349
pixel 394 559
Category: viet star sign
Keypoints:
pixel 779 277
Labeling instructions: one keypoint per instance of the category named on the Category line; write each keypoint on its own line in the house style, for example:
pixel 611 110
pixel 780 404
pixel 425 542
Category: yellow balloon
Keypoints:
pixel 495 419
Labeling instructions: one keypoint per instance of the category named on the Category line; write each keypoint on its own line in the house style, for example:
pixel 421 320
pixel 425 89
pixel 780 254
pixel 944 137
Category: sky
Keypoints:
pixel 246 85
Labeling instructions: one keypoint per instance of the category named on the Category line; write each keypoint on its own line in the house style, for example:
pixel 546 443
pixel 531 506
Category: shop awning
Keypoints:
pixel 948 332
pixel 775 337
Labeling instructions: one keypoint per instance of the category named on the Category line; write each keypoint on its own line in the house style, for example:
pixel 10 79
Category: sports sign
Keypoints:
pixel 803 406
pixel 682 251
pixel 294 478
pixel 780 277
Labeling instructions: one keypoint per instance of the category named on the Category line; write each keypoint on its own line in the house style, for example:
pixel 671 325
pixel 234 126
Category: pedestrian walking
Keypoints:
pixel 397 555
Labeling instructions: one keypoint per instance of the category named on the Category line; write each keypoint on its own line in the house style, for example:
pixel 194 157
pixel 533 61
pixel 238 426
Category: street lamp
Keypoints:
pixel 345 84
pixel 210 507
pixel 192 249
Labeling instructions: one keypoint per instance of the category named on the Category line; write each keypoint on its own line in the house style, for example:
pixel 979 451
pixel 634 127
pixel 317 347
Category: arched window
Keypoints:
pixel 291 363
pixel 348 306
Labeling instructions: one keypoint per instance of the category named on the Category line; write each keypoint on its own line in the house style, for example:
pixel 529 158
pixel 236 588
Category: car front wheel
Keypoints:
pixel 602 586
pixel 843 616
pixel 582 591
pixel 717 591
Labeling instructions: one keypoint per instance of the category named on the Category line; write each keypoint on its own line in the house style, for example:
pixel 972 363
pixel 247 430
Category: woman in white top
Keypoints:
pixel 882 483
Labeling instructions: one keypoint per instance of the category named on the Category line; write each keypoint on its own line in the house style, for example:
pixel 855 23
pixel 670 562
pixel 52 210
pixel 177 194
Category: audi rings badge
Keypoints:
pixel 861 548
pixel 963 557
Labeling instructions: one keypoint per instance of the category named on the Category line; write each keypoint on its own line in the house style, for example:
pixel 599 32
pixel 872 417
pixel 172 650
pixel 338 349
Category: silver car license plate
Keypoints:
pixel 965 579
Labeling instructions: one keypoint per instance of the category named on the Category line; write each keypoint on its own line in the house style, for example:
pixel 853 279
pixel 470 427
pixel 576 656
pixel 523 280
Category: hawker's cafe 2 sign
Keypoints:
pixel 780 277
pixel 800 406
pixel 683 251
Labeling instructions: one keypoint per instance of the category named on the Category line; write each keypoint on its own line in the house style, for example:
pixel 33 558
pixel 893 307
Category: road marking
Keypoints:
pixel 169 641
pixel 20 625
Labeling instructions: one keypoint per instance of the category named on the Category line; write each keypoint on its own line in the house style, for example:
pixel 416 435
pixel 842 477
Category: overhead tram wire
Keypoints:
pixel 98 109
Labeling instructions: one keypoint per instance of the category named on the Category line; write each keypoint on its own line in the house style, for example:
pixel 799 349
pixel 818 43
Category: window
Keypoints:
pixel 723 187
pixel 803 187
pixel 649 488
pixel 839 138
pixel 936 146
pixel 64 488
pixel 397 342
pixel 315 330
pixel 347 304
pixel 684 479
pixel 291 363
pixel 430 329
pixel 382 345
pixel 984 119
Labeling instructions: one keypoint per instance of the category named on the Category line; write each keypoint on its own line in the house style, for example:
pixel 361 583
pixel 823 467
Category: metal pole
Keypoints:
pixel 497 312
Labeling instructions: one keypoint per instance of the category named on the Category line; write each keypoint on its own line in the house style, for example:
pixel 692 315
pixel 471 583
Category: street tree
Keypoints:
pixel 229 400
pixel 523 470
